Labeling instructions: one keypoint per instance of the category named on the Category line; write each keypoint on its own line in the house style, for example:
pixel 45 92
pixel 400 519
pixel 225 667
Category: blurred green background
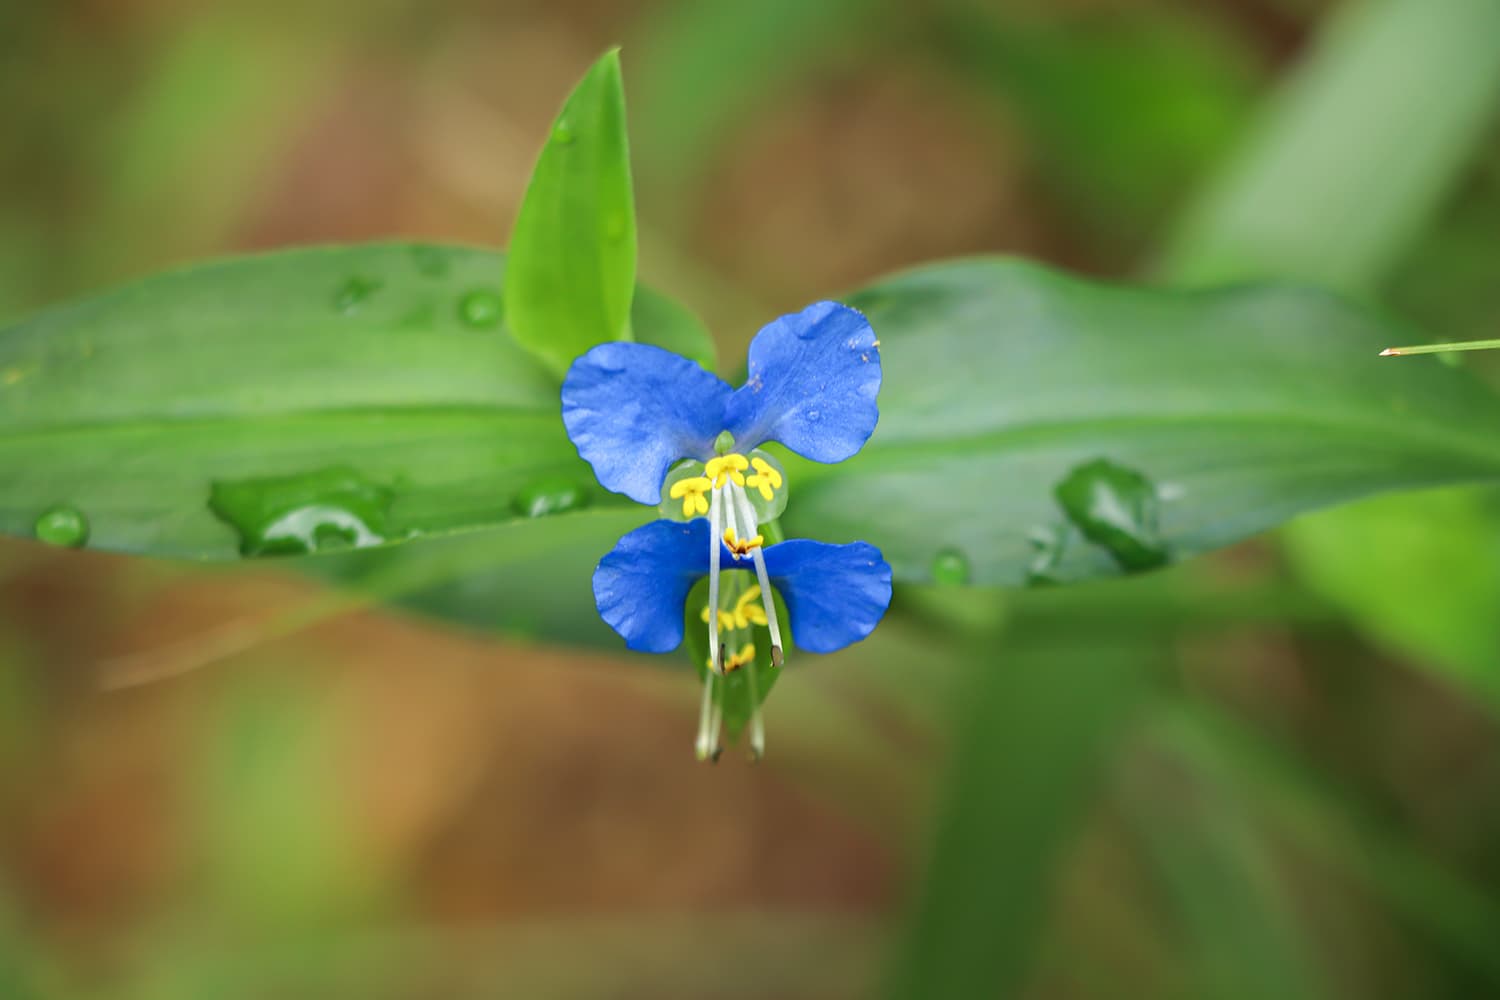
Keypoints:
pixel 1274 772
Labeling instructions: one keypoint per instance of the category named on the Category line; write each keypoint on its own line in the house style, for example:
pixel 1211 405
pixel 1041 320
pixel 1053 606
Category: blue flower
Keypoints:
pixel 835 594
pixel 633 409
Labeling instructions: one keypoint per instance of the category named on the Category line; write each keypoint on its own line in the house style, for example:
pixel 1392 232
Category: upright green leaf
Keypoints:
pixel 1355 153
pixel 572 251
pixel 1034 743
pixel 1243 408
pixel 296 401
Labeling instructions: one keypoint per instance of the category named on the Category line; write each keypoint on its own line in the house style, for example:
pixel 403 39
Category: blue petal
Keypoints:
pixel 642 585
pixel 811 384
pixel 835 594
pixel 631 410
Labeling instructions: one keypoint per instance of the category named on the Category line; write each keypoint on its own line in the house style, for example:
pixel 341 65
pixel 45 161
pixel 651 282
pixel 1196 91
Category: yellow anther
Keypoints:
pixel 747 610
pixel 690 491
pixel 741 547
pixel 726 468
pixel 766 478
pixel 727 620
pixel 744 656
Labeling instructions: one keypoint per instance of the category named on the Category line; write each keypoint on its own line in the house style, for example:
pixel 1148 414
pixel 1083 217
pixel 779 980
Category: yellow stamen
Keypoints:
pixel 744 656
pixel 727 621
pixel 766 478
pixel 747 610
pixel 727 468
pixel 741 547
pixel 691 492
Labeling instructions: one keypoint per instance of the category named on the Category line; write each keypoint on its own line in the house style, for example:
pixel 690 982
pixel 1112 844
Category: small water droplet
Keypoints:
pixel 950 568
pixel 62 525
pixel 1117 508
pixel 480 309
pixel 549 496
pixel 318 511
pixel 813 416
pixel 562 133
pixel 431 261
pixel 353 294
pixel 1453 359
pixel 1049 545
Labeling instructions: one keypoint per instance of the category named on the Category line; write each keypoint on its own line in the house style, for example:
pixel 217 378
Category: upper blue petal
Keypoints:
pixel 811 384
pixel 631 410
pixel 835 594
pixel 642 585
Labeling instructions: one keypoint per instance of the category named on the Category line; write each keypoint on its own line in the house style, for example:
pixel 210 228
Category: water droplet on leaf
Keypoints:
pixel 549 496
pixel 562 133
pixel 353 294
pixel 1049 545
pixel 950 568
pixel 62 525
pixel 1117 508
pixel 480 309
pixel 318 511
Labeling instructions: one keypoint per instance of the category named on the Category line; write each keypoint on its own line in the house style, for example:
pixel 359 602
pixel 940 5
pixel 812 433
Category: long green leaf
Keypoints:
pixel 290 402
pixel 1237 409
pixel 572 250
pixel 1357 151
pixel 1033 745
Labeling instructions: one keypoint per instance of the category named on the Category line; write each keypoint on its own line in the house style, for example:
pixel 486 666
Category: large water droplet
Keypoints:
pixel 480 309
pixel 318 511
pixel 562 133
pixel 950 568
pixel 1117 508
pixel 549 496
pixel 431 261
pixel 62 525
pixel 354 293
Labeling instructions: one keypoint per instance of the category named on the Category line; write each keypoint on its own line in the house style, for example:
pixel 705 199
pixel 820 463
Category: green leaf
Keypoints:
pixel 1360 147
pixel 572 250
pixel 1243 407
pixel 337 395
pixel 1419 573
pixel 1033 745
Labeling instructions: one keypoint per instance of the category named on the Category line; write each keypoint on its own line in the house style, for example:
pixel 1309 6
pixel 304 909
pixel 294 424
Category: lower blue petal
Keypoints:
pixel 810 384
pixel 631 410
pixel 835 594
pixel 641 586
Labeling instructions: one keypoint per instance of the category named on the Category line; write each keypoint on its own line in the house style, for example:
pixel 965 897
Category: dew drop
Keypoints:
pixel 480 309
pixel 549 496
pixel 1048 544
pixel 813 416
pixel 319 511
pixel 562 133
pixel 62 525
pixel 1116 508
pixel 950 568
pixel 353 294
pixel 430 261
